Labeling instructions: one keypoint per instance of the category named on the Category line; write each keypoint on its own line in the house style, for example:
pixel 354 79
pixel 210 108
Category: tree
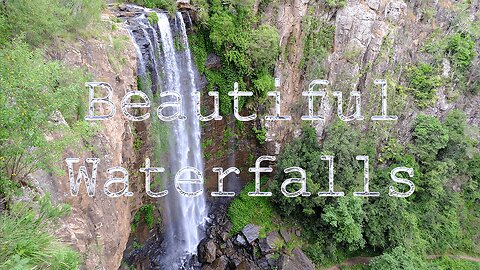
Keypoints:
pixel 346 220
pixel 398 259
pixel 429 137
pixel 264 47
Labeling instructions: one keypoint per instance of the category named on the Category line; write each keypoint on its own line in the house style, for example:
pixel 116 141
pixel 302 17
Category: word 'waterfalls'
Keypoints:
pixel 117 184
pixel 171 108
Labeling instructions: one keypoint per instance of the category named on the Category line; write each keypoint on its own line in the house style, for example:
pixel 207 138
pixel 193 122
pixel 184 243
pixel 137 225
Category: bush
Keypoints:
pixel 260 134
pixel 152 18
pixel 169 5
pixel 423 84
pixel 317 44
pixel 398 259
pixel 461 51
pixel 146 211
pixel 263 84
pixel 336 3
pixel 346 219
pixel 27 241
pixel 35 91
pixel 264 47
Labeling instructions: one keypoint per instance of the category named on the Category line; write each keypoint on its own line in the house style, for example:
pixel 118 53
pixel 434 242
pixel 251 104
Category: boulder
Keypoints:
pixel 247 265
pixel 240 240
pixel 207 251
pixel 297 261
pixel 274 240
pixel 265 248
pixel 251 232
pixel 286 235
pixel 220 263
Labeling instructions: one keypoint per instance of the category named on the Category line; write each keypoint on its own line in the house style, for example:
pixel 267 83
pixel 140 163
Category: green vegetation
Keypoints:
pixel 260 134
pixel 461 51
pixel 38 94
pixel 26 240
pixel 168 5
pixel 459 48
pixel 152 18
pixel 40 99
pixel 336 3
pixel 247 52
pixel 146 211
pixel 41 21
pixel 439 218
pixel 424 82
pixel 244 210
pixel 317 44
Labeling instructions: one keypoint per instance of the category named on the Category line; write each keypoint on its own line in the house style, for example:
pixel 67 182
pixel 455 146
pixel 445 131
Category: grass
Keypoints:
pixel 27 240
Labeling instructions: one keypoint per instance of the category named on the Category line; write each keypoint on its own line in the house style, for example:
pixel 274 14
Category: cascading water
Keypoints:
pixel 166 61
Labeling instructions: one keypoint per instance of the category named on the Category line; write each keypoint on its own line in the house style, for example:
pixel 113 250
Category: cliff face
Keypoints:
pixel 372 39
pixel 99 227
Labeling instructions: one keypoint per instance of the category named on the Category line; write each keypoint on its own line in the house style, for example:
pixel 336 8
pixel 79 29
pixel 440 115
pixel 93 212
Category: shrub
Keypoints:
pixel 398 259
pixel 153 18
pixel 423 84
pixel 35 91
pixel 336 3
pixel 169 5
pixel 263 84
pixel 260 134
pixel 264 47
pixel 461 51
pixel 317 44
pixel 146 211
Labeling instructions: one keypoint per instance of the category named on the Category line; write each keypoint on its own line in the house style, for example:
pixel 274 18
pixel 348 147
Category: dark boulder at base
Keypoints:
pixel 213 61
pixel 207 250
pixel 247 265
pixel 221 263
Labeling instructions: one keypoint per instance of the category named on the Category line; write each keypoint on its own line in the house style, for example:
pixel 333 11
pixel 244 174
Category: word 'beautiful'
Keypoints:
pixel 176 104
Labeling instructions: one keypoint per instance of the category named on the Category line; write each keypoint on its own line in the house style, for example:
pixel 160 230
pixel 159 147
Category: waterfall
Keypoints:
pixel 166 57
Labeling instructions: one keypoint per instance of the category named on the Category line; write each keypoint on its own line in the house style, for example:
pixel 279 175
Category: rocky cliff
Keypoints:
pixel 372 39
pixel 99 227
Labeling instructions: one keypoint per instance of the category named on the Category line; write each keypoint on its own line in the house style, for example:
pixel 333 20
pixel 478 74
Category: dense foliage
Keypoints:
pixel 41 21
pixel 247 52
pixel 438 218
